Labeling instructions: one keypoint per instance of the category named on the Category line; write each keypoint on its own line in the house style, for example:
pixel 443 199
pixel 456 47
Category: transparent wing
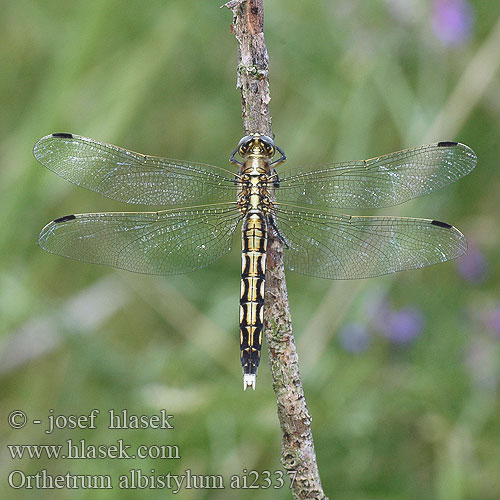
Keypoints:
pixel 168 242
pixel 345 247
pixel 131 177
pixel 379 182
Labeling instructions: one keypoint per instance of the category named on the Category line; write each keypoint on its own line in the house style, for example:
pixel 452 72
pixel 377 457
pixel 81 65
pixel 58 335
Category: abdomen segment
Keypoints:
pixel 253 271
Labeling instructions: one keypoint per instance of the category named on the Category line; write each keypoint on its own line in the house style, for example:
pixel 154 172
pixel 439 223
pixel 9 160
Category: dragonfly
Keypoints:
pixel 205 204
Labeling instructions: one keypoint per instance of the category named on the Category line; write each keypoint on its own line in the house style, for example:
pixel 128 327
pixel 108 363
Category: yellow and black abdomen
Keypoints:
pixel 253 272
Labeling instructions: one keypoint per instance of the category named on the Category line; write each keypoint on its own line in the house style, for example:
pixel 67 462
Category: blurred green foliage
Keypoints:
pixel 349 79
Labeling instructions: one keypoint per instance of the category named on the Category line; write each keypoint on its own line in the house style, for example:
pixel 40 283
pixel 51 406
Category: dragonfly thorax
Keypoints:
pixel 254 183
pixel 257 178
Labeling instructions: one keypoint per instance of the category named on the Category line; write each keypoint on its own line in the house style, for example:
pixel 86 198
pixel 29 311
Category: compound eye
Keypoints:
pixel 243 144
pixel 268 144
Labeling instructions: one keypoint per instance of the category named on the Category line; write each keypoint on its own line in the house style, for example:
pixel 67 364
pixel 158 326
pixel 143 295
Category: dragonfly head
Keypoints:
pixel 256 145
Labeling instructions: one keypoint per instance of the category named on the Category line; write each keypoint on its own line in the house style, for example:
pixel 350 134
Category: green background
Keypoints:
pixel 349 80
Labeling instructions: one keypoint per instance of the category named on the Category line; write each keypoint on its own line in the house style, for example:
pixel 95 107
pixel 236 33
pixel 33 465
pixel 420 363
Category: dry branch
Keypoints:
pixel 298 453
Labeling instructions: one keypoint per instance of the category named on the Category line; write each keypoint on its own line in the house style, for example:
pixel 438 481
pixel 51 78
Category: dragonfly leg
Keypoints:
pixel 276 177
pixel 277 232
pixel 232 159
pixel 281 159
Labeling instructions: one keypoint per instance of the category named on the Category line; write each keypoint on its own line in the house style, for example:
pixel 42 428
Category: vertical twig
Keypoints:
pixel 298 455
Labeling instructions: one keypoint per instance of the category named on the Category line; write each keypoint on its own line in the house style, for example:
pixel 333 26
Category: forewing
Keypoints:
pixel 345 247
pixel 379 182
pixel 131 177
pixel 168 242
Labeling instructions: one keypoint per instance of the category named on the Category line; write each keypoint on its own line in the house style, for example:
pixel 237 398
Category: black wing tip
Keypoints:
pixel 40 145
pixel 63 135
pixel 439 223
pixel 470 156
pixel 65 218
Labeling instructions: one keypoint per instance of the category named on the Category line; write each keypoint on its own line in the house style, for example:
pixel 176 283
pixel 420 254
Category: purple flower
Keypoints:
pixel 452 21
pixel 354 337
pixel 403 326
pixel 473 266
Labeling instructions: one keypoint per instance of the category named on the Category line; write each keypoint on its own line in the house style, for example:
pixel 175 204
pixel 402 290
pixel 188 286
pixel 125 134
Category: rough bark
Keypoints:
pixel 298 456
